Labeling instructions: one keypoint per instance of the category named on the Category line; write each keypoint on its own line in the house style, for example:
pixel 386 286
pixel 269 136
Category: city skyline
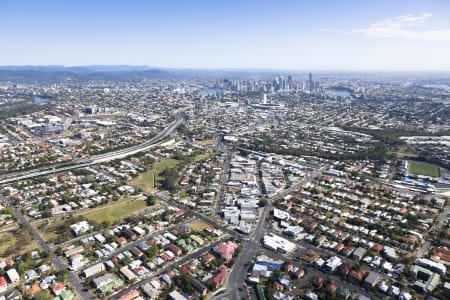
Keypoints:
pixel 282 35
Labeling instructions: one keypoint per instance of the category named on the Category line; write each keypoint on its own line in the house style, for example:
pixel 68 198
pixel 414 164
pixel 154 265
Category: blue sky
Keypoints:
pixel 302 35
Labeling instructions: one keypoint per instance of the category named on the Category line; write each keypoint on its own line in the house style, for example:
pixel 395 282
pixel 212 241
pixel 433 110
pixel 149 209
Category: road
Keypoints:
pixel 57 263
pixel 235 285
pixel 219 199
pixel 169 266
pixel 442 219
pixel 97 159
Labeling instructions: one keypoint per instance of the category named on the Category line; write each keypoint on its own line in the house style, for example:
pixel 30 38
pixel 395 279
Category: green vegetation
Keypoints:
pixel 198 226
pixel 399 154
pixel 115 211
pixel 389 135
pixel 14 243
pixel 146 180
pixel 419 168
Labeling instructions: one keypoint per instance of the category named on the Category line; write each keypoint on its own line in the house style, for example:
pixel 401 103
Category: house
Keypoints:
pixel 446 289
pixel 298 273
pixel 339 247
pixel 175 295
pixel 206 259
pixel 345 268
pixel 311 295
pixel 441 255
pixel 332 263
pixel 318 282
pixel 31 274
pixel 127 273
pixel 311 256
pixel 130 295
pixel 136 252
pixel 343 293
pixel 80 228
pixel 347 251
pixel 372 279
pixel 67 295
pixel 58 288
pixel 13 276
pixel 178 214
pixel 31 290
pixel 377 248
pixel 219 277
pixel 13 295
pixel 359 253
pixel 128 234
pixel 197 239
pixel 121 241
pixel 101 281
pixel 199 287
pixel 225 250
pixel 9 262
pixel 150 291
pixel 3 284
pixel 357 276
pixel 320 240
pixel 94 270
pixel 175 249
pixel 184 269
pixel 331 289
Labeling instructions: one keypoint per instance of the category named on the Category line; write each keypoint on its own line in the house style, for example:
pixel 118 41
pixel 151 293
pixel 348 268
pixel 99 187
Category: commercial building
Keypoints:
pixel 277 243
pixel 94 270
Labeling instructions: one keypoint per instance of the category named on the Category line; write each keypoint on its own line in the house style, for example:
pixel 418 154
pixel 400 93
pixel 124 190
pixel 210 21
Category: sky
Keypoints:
pixel 323 35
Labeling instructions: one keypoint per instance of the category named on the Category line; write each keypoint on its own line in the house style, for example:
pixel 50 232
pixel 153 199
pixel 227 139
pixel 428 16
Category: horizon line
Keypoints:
pixel 231 69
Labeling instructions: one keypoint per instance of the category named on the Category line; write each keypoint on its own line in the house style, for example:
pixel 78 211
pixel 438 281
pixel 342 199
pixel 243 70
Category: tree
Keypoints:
pixel 262 202
pixel 151 200
pixel 63 275
pixel 43 295
pixel 170 178
pixel 152 251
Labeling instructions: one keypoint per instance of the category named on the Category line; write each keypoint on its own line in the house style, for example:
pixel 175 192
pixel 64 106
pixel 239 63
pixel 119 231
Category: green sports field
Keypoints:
pixel 418 168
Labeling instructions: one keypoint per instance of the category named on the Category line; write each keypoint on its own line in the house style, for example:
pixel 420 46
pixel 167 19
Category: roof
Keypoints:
pixel 219 276
pixel 225 250
pixel 372 278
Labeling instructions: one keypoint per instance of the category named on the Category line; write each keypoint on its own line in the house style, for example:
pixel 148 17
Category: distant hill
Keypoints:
pixel 61 73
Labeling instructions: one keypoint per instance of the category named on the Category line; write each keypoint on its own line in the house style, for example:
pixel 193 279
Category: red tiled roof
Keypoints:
pixel 3 281
pixel 220 276
pixel 225 250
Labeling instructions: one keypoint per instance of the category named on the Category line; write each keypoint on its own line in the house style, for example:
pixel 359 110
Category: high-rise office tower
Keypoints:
pixel 310 83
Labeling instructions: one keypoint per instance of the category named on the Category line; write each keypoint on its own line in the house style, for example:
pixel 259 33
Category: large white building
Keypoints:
pixel 277 243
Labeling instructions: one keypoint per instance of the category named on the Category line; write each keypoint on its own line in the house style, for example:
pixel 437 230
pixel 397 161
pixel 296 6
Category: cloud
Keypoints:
pixel 410 26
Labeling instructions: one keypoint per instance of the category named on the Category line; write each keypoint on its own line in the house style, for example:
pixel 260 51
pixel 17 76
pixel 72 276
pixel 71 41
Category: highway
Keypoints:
pixel 97 159
pixel 9 178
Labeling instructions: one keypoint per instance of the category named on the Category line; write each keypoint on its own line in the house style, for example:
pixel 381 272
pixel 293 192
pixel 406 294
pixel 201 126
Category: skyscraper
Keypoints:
pixel 310 83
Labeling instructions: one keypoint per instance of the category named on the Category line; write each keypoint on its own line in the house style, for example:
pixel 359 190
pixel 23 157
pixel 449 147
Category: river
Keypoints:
pixel 342 93
pixel 40 100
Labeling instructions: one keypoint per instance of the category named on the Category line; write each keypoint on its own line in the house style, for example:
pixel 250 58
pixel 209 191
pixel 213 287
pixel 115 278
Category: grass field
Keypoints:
pixel 400 154
pixel 198 226
pixel 14 243
pixel 206 142
pixel 115 211
pixel 146 180
pixel 418 168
